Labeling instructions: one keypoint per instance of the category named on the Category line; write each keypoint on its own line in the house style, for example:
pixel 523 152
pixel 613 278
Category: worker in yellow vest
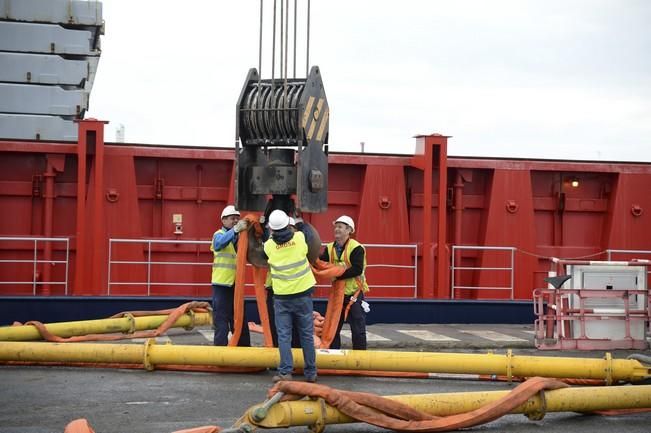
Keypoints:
pixel 346 251
pixel 293 283
pixel 224 249
pixel 296 341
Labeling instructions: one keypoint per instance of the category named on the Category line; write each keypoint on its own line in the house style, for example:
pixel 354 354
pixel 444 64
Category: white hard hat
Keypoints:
pixel 278 220
pixel 346 220
pixel 230 210
pixel 292 221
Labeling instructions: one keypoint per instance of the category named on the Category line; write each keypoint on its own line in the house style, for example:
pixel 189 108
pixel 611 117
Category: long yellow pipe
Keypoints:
pixel 608 369
pixel 101 326
pixel 578 399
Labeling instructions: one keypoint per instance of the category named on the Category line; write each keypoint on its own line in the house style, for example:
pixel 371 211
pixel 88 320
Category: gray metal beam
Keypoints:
pixel 33 127
pixel 36 99
pixel 79 12
pixel 46 38
pixel 42 69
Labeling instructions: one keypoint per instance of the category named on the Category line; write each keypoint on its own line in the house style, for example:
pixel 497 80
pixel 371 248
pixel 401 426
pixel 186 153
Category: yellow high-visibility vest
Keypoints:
pixel 288 265
pixel 350 284
pixel 223 263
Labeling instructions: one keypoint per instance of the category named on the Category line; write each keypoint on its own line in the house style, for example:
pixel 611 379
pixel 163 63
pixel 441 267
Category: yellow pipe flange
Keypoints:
pixel 509 365
pixel 146 359
pixel 132 323
pixel 191 314
pixel 539 410
pixel 609 368
pixel 320 423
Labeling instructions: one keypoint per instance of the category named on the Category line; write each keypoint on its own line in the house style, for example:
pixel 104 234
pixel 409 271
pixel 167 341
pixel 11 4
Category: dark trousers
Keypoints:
pixel 296 340
pixel 222 316
pixel 356 320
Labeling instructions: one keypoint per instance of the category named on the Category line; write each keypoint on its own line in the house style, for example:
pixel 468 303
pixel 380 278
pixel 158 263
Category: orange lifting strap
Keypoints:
pixel 321 270
pixel 393 415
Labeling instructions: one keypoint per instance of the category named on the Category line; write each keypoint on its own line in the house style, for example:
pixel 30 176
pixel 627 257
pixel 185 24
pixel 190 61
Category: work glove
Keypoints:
pixel 241 225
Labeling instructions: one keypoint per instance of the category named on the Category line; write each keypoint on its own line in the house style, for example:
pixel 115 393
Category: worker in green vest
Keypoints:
pixel 296 341
pixel 224 249
pixel 293 283
pixel 346 251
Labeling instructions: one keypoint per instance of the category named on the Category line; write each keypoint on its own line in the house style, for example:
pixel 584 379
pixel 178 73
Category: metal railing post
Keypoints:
pixel 67 265
pixel 415 271
pixel 512 271
pixel 149 267
pixel 34 272
pixel 452 268
pixel 108 280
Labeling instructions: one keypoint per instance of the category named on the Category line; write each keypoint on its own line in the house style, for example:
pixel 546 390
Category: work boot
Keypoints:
pixel 311 379
pixel 279 377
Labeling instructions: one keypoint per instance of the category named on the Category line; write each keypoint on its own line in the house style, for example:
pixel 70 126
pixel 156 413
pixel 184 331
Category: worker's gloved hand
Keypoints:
pixel 365 306
pixel 241 225
pixel 298 220
pixel 262 219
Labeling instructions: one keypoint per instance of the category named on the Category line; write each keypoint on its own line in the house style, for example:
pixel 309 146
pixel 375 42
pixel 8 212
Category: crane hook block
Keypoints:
pixel 282 133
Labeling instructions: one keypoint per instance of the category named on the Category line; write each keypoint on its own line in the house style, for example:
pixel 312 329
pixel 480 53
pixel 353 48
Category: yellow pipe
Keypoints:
pixel 102 326
pixel 578 399
pixel 608 369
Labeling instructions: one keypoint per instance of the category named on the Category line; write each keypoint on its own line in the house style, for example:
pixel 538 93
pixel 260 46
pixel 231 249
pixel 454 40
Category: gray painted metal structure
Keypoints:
pixel 50 128
pixel 37 69
pixel 87 13
pixel 49 53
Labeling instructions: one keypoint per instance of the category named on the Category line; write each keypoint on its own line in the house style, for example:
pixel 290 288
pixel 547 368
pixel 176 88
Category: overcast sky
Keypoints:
pixel 562 79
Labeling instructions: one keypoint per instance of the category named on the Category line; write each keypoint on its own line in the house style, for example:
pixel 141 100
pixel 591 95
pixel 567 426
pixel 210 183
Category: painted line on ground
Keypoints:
pixel 425 335
pixel 492 335
pixel 369 336
pixel 208 334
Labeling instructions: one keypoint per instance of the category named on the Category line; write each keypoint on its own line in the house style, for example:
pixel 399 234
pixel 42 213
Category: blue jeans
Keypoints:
pixel 295 313
pixel 296 341
pixel 222 316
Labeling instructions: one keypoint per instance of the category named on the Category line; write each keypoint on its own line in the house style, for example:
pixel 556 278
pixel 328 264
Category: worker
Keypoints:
pixel 224 248
pixel 293 284
pixel 296 341
pixel 346 251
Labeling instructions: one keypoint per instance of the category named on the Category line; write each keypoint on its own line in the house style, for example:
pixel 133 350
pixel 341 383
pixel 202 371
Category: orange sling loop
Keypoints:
pixel 320 269
pixel 173 316
pixel 393 415
pixel 258 277
pixel 335 300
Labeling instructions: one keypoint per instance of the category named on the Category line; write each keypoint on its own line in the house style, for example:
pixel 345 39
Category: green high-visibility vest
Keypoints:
pixel 223 263
pixel 288 265
pixel 350 284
